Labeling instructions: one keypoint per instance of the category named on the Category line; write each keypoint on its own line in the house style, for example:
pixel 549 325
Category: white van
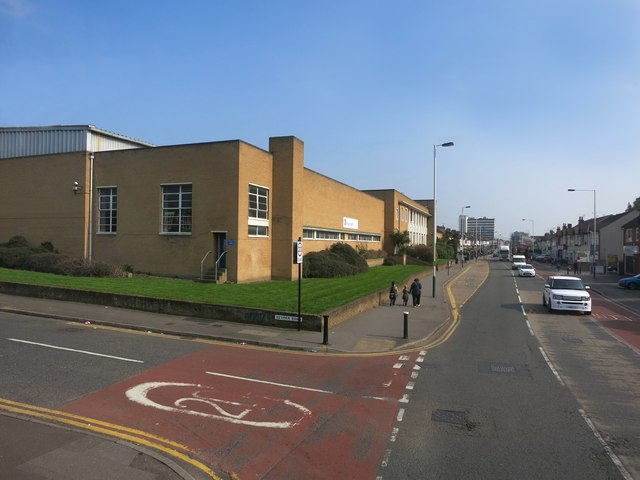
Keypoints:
pixel 517 260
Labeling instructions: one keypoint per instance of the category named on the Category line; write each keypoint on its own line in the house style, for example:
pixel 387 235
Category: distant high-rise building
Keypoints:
pixel 480 229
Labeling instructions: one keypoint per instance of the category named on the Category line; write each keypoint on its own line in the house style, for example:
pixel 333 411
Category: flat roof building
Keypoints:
pixel 174 210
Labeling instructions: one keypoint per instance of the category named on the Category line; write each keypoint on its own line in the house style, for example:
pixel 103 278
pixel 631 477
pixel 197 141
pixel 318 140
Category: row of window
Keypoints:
pixel 177 213
pixel 311 234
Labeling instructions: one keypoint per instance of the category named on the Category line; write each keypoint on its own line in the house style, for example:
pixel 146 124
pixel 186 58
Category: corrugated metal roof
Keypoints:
pixel 29 141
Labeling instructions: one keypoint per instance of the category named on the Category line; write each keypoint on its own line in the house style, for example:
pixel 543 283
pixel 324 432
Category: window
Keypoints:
pixel 258 231
pixel 108 208
pixel 176 208
pixel 258 211
pixel 258 202
pixel 628 235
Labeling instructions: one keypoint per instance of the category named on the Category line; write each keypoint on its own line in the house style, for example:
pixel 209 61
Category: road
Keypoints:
pixel 244 412
pixel 517 393
pixel 514 393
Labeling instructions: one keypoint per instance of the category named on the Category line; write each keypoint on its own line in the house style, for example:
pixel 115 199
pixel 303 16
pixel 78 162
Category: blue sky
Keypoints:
pixel 538 95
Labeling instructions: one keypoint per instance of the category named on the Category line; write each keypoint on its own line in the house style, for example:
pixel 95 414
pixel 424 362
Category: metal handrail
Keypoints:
pixel 202 263
pixel 217 262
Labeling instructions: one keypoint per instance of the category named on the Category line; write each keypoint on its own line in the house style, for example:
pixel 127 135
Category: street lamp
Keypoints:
pixel 532 234
pixel 435 223
pixel 462 235
pixel 593 248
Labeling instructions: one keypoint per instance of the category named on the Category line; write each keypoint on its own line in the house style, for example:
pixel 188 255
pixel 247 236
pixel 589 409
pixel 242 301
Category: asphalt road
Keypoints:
pixel 490 405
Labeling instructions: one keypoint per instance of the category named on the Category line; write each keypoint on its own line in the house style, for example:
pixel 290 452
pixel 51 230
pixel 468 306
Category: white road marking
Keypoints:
pixel 270 383
pixel 139 394
pixel 553 369
pixel 400 415
pixel 530 329
pixel 394 434
pixel 410 385
pixel 420 359
pixel 74 350
pixel 398 365
pixel 614 458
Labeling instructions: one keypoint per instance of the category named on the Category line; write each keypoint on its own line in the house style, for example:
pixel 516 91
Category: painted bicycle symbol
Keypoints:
pixel 202 401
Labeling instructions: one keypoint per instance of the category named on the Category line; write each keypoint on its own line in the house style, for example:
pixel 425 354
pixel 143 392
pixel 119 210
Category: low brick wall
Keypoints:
pixel 227 313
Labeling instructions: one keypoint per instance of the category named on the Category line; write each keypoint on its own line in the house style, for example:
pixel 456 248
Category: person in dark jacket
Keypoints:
pixel 415 290
pixel 393 294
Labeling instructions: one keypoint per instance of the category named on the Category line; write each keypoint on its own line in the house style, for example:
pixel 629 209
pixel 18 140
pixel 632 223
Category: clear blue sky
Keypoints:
pixel 538 95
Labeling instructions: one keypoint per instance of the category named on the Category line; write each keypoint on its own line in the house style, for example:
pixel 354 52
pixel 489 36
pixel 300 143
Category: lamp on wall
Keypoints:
pixel 76 187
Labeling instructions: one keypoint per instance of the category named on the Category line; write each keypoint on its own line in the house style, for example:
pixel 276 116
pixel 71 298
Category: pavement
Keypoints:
pixel 70 452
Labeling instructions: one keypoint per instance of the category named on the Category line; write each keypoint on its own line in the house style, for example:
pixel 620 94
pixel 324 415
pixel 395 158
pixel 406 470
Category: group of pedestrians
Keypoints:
pixel 415 290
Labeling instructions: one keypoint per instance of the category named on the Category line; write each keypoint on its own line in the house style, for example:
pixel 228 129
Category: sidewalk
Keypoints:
pixel 55 453
pixel 380 329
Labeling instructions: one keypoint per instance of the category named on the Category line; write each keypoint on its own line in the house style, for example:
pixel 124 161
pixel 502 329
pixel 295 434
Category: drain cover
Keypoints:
pixel 496 368
pixel 572 340
pixel 449 416
pixel 503 368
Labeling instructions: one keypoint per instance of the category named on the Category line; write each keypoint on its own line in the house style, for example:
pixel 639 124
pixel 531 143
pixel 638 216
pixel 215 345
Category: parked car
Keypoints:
pixel 631 282
pixel 526 270
pixel 566 293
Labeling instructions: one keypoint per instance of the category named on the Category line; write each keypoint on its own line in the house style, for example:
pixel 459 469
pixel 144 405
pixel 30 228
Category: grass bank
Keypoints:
pixel 318 294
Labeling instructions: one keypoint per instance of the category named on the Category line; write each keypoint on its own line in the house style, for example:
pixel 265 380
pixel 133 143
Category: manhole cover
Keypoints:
pixel 72 329
pixel 572 340
pixel 449 416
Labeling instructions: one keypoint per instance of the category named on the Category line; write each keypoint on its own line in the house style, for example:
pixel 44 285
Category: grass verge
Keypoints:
pixel 318 294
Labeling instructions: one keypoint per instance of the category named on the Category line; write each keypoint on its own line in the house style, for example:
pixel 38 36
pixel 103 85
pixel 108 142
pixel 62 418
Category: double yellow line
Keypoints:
pixel 120 432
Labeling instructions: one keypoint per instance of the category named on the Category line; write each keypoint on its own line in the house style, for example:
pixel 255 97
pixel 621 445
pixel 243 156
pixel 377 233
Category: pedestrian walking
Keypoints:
pixel 405 295
pixel 393 294
pixel 415 290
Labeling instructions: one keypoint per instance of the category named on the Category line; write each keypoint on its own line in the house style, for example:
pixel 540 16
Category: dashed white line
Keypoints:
pixel 553 369
pixel 400 415
pixel 530 329
pixel 85 352
pixel 614 458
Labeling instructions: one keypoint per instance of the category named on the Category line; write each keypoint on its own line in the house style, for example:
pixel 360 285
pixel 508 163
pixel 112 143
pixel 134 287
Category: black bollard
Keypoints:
pixel 325 330
pixel 406 325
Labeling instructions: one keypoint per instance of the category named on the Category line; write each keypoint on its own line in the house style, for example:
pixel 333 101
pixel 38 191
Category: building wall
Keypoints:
pixel 254 254
pixel 39 203
pixel 287 203
pixel 211 169
pixel 328 202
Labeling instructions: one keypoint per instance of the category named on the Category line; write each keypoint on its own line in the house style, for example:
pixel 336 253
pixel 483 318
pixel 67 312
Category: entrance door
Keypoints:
pixel 219 247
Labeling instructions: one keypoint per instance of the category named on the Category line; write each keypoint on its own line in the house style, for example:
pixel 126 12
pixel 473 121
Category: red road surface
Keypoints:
pixel 264 414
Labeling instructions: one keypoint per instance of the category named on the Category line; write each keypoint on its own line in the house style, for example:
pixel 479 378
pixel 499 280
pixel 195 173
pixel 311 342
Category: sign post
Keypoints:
pixel 298 260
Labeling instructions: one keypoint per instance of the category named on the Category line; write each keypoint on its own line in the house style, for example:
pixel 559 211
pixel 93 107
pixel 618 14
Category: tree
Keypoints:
pixel 634 206
pixel 447 246
pixel 401 240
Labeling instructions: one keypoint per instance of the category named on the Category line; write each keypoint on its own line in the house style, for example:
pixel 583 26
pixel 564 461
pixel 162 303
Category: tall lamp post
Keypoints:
pixel 435 223
pixel 595 232
pixel 462 235
pixel 532 234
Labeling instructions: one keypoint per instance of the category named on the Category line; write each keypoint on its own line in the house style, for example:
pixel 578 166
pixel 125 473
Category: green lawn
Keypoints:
pixel 318 294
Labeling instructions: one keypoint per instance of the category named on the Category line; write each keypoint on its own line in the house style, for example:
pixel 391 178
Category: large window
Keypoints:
pixel 176 208
pixel 258 211
pixel 108 207
pixel 258 202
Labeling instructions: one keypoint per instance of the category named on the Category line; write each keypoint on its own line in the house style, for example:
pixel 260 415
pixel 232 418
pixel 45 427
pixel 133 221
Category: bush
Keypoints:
pixel 17 241
pixel 326 264
pixel 17 253
pixel 13 257
pixel 350 256
pixel 421 252
pixel 390 261
pixel 46 262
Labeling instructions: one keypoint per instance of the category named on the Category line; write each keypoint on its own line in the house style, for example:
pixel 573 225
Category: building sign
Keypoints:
pixel 630 249
pixel 351 223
